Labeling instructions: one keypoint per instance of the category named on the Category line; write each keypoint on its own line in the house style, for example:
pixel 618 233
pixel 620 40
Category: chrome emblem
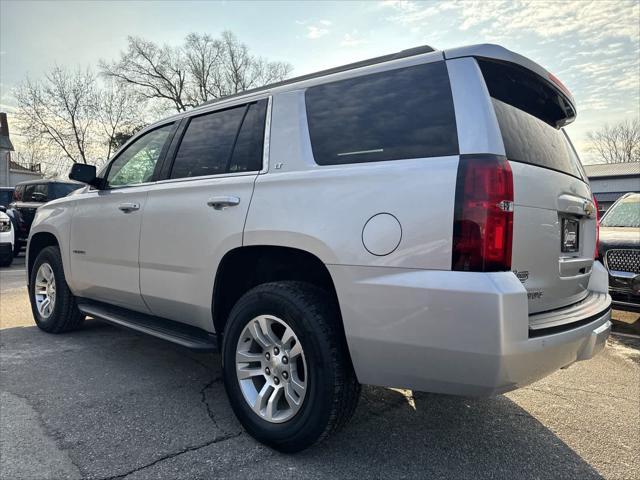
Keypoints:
pixel 589 208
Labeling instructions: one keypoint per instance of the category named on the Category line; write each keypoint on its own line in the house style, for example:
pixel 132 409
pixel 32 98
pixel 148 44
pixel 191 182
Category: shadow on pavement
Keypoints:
pixel 120 403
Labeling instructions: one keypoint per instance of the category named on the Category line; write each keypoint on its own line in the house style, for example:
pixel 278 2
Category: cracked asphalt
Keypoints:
pixel 105 403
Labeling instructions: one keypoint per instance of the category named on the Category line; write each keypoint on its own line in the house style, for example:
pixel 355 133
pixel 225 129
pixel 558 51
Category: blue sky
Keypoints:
pixel 593 47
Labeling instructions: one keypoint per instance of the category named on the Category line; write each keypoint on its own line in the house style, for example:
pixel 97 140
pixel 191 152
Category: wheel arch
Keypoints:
pixel 246 267
pixel 37 242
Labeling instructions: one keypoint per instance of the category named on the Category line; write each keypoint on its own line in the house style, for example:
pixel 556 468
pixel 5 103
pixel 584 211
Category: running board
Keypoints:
pixel 175 332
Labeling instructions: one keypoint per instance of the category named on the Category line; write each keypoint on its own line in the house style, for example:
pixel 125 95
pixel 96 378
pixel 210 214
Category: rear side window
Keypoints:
pixel 35 192
pixel 398 114
pixel 530 140
pixel 223 141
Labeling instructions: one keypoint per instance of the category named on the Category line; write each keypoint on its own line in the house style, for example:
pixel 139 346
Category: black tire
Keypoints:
pixel 7 260
pixel 333 389
pixel 65 316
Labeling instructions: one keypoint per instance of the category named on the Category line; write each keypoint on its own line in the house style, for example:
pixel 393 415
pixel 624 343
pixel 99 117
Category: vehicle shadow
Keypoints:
pixel 121 403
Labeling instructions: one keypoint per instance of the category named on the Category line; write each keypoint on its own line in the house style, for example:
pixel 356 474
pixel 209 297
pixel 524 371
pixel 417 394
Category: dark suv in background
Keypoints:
pixel 6 196
pixel 27 197
pixel 620 250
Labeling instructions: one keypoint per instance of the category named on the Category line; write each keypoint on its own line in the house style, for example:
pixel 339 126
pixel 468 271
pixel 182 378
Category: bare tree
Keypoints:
pixel 617 143
pixel 202 69
pixel 204 57
pixel 156 72
pixel 60 108
pixel 119 115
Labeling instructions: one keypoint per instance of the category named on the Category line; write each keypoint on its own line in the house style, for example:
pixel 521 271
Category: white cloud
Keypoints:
pixel 352 39
pixel 314 32
pixel 317 29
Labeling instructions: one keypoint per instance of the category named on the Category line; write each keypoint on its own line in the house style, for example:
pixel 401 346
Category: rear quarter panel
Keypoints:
pixel 323 209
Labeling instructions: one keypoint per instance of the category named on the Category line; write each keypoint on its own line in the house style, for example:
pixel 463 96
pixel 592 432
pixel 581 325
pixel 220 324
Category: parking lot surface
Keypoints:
pixel 105 403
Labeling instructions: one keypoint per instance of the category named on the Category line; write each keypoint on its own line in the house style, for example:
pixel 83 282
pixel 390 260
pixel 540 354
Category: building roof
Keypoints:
pixel 5 141
pixel 627 169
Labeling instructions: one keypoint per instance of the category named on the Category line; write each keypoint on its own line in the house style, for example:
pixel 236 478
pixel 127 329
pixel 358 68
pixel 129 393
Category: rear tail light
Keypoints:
pixel 483 217
pixel 597 250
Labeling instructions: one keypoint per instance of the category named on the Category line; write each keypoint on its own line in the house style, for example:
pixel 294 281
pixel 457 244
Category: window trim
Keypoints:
pixel 169 160
pixel 159 163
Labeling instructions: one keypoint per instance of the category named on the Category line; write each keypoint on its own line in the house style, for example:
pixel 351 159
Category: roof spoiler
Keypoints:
pixel 496 52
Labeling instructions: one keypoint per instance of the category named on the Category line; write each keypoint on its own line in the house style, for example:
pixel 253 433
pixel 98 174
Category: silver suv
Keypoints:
pixel 417 220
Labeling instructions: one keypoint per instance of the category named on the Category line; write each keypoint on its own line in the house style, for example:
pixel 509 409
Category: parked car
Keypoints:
pixel 620 250
pixel 418 220
pixel 27 198
pixel 6 195
pixel 6 240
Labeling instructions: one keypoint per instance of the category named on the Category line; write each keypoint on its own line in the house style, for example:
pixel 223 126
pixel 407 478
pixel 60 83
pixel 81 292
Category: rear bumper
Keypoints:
pixel 458 333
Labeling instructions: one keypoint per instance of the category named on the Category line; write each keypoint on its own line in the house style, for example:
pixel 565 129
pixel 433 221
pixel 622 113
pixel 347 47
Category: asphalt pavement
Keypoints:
pixel 106 403
pixel 14 276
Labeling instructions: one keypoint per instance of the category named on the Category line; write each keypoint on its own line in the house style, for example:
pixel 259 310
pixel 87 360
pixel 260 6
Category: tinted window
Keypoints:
pixel 530 140
pixel 59 190
pixel 35 192
pixel 138 161
pixel 247 154
pixel 624 213
pixel 18 193
pixel 399 114
pixel 223 141
pixel 5 197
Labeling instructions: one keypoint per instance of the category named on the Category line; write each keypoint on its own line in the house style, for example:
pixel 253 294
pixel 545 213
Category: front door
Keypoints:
pixel 105 228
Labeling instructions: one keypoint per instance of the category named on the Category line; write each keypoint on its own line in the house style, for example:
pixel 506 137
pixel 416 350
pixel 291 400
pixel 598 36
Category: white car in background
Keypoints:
pixel 7 240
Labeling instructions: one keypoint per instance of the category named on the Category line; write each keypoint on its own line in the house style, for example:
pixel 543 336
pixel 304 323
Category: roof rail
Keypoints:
pixel 410 52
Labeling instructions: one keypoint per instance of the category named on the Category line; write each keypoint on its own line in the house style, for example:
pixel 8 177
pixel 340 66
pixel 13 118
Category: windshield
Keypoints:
pixel 625 213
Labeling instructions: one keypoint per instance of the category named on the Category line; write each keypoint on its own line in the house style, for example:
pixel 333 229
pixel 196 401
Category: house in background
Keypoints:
pixel 11 172
pixel 609 181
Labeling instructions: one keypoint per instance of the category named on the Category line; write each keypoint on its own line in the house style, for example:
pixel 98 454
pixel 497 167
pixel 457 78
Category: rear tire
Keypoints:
pixel 331 390
pixel 47 283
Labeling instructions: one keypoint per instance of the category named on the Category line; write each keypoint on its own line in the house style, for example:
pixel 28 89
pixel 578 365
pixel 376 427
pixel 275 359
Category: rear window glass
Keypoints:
pixel 398 114
pixel 625 213
pixel 529 140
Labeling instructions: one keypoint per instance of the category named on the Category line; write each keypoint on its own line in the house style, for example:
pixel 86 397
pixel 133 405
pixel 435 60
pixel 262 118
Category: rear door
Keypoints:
pixel 197 214
pixel 554 229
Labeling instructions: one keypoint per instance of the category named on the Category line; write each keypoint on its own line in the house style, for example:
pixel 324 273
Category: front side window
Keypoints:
pixel 392 115
pixel 220 142
pixel 137 162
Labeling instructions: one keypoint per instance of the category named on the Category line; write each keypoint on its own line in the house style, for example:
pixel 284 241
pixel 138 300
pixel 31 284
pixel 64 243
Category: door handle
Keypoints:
pixel 220 203
pixel 129 207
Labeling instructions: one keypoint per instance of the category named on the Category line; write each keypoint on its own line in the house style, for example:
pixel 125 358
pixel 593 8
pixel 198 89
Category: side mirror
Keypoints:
pixel 3 209
pixel 84 173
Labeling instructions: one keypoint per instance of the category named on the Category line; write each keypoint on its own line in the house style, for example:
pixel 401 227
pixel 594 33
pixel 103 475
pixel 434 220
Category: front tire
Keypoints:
pixel 286 366
pixel 52 303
